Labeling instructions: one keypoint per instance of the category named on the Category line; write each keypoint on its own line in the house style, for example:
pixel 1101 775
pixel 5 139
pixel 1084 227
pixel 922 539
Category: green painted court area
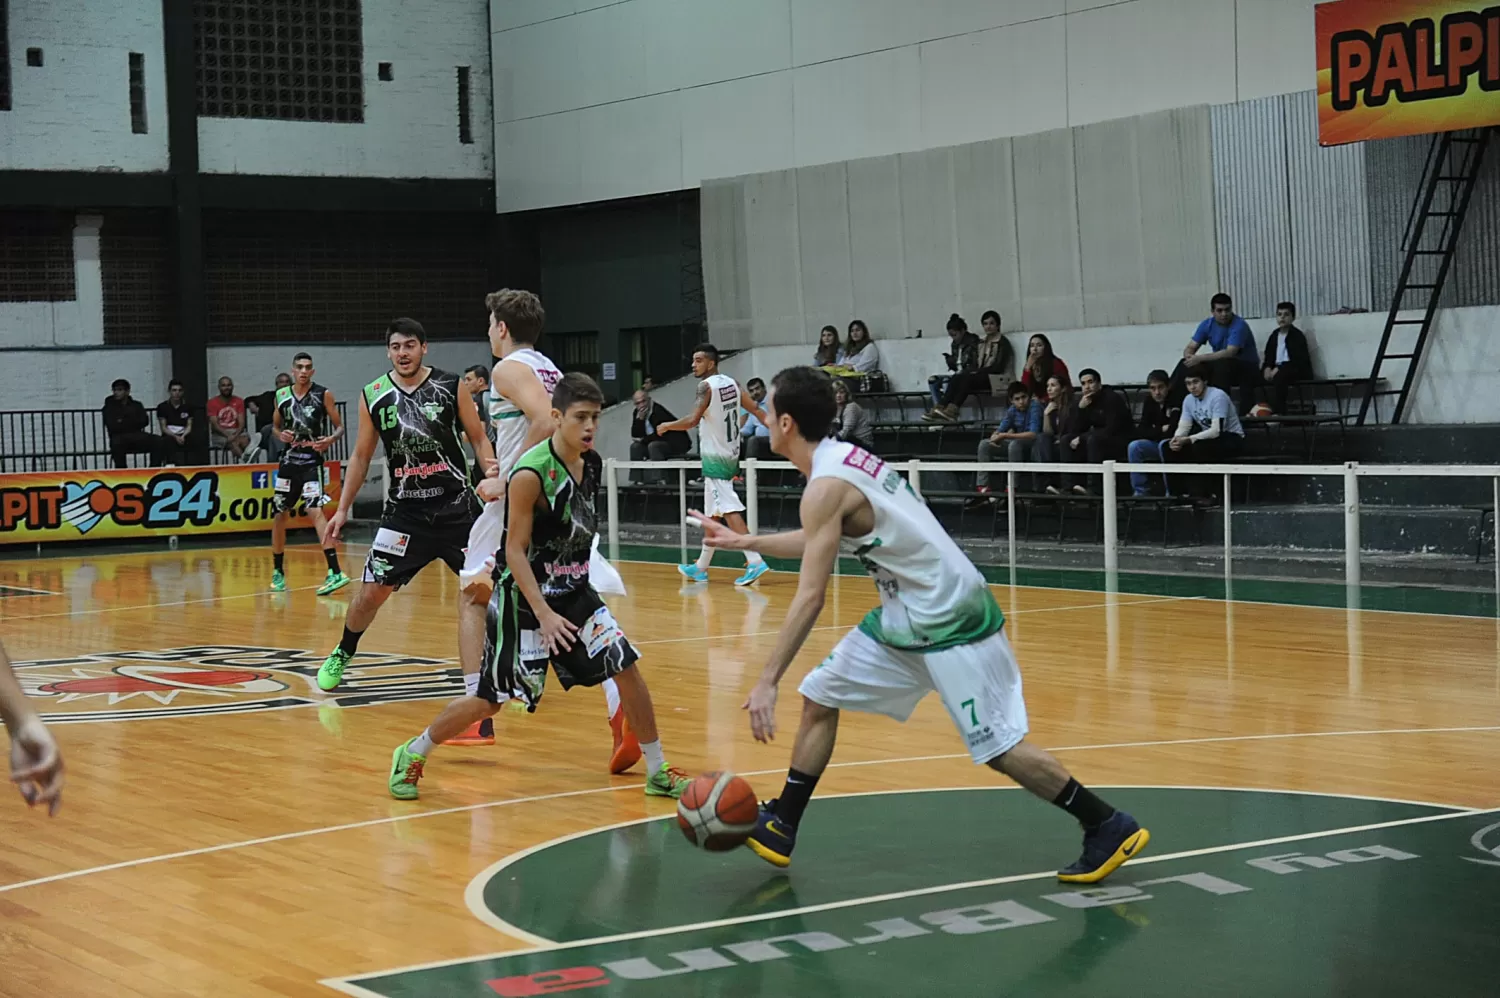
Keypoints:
pixel 951 892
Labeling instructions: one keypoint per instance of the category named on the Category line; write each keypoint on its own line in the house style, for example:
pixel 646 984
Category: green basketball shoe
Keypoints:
pixel 331 672
pixel 278 581
pixel 406 770
pixel 334 582
pixel 668 781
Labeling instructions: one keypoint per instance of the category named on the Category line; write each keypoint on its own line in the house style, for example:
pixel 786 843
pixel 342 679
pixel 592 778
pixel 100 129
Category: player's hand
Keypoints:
pixel 322 444
pixel 762 708
pixel 336 523
pixel 557 632
pixel 36 766
pixel 491 489
pixel 717 535
pixel 286 436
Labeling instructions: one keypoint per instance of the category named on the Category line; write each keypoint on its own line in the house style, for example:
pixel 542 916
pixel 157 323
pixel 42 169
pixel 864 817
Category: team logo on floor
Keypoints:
pixel 222 679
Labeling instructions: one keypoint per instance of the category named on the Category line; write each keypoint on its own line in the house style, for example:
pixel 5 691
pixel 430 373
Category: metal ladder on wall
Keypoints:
pixel 1432 231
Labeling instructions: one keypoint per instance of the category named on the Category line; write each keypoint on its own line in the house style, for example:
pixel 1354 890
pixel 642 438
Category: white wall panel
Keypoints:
pixel 538 162
pixel 827 277
pixel 836 29
pixel 1179 245
pixel 743 126
pixel 537 70
pixel 1109 224
pixel 984 193
pixel 875 248
pixel 622 154
pixel 1047 230
pixel 970 83
pixel 929 244
pixel 1277 48
pixel 507 14
pixel 855 108
pixel 697 42
pixel 1149 56
pixel 774 268
pixel 611 54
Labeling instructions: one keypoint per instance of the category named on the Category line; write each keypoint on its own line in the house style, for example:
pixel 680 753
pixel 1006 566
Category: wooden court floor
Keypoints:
pixel 226 830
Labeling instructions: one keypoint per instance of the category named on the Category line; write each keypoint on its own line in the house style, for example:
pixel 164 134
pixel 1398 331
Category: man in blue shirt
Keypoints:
pixel 1209 432
pixel 1231 358
pixel 753 433
pixel 1019 430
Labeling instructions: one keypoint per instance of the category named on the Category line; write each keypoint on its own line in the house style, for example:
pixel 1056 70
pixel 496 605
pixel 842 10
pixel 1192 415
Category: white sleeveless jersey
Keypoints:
pixel 719 429
pixel 931 595
pixel 507 419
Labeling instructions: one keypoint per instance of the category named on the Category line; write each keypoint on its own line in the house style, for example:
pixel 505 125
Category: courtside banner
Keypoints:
pixel 143 502
pixel 1406 67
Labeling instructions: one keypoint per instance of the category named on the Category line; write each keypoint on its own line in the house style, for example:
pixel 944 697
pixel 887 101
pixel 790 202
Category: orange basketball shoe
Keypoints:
pixel 479 733
pixel 627 751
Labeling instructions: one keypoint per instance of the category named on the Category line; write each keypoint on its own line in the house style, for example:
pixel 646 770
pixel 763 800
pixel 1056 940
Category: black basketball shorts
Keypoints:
pixel 515 660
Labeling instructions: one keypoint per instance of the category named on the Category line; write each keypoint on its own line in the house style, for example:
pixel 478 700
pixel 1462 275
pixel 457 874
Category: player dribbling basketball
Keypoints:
pixel 937 628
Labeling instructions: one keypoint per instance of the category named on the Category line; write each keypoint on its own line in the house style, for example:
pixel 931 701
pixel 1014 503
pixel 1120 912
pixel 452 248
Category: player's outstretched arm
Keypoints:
pixel 473 425
pixel 700 406
pixel 35 764
pixel 788 544
pixel 823 524
pixel 516 382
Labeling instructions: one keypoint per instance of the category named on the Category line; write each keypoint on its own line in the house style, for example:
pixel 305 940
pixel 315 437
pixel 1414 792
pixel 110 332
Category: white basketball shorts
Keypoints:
pixel 485 538
pixel 980 684
pixel 719 497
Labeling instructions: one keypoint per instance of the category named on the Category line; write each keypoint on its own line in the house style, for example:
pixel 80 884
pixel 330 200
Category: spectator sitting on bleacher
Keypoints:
pixel 125 421
pixel 963 359
pixel 827 354
pixel 1209 431
pixel 1232 359
pixel 755 437
pixel 646 443
pixel 1041 364
pixel 1106 415
pixel 1061 421
pixel 995 360
pixel 264 408
pixel 1020 429
pixel 859 353
pixel 1287 360
pixel 175 419
pixel 226 416
pixel 1157 423
pixel 851 423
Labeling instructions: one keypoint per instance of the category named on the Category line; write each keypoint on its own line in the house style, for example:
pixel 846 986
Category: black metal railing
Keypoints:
pixel 34 440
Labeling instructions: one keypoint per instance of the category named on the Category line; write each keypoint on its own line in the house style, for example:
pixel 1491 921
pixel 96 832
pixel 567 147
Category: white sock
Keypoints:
pixel 422 744
pixel 471 684
pixel 753 558
pixel 654 759
pixel 704 558
pixel 611 698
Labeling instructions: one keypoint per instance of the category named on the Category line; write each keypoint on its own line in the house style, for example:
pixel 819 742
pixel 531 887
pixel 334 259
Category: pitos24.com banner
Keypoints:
pixel 106 504
pixel 1406 67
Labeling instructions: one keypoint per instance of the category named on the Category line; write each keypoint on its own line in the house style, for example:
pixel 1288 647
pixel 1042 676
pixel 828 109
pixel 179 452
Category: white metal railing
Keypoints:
pixel 1350 473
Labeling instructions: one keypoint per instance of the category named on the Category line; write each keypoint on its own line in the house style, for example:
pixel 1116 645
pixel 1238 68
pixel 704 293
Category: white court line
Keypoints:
pixel 902 895
pixel 474 893
pixel 466 808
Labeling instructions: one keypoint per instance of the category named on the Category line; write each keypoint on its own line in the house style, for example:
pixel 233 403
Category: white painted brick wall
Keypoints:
pixel 73 113
pixel 411 123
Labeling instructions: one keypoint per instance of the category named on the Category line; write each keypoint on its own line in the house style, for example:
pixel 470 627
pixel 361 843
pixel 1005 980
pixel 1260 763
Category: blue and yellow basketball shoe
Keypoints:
pixel 773 839
pixel 1105 849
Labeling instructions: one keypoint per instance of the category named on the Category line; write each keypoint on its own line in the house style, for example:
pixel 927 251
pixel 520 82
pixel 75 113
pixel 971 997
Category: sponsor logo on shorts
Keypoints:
pixel 221 679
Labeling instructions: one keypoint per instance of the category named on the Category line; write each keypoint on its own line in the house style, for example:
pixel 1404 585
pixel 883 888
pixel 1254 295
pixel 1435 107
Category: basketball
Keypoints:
pixel 717 812
pixel 1260 410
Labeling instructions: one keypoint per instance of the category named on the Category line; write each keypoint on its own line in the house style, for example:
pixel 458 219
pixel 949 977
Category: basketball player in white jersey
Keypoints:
pixel 937 628
pixel 716 413
pixel 520 417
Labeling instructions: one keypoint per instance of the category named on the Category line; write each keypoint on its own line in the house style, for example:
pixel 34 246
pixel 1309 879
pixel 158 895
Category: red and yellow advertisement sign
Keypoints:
pixel 107 504
pixel 1406 67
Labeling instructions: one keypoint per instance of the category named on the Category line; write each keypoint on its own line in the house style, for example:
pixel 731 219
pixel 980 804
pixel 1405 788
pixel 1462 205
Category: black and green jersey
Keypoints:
pixel 429 471
pixel 562 537
pixel 307 418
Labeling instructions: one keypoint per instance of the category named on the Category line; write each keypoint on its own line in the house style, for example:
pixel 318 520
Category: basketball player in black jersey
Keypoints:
pixel 307 421
pixel 416 411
